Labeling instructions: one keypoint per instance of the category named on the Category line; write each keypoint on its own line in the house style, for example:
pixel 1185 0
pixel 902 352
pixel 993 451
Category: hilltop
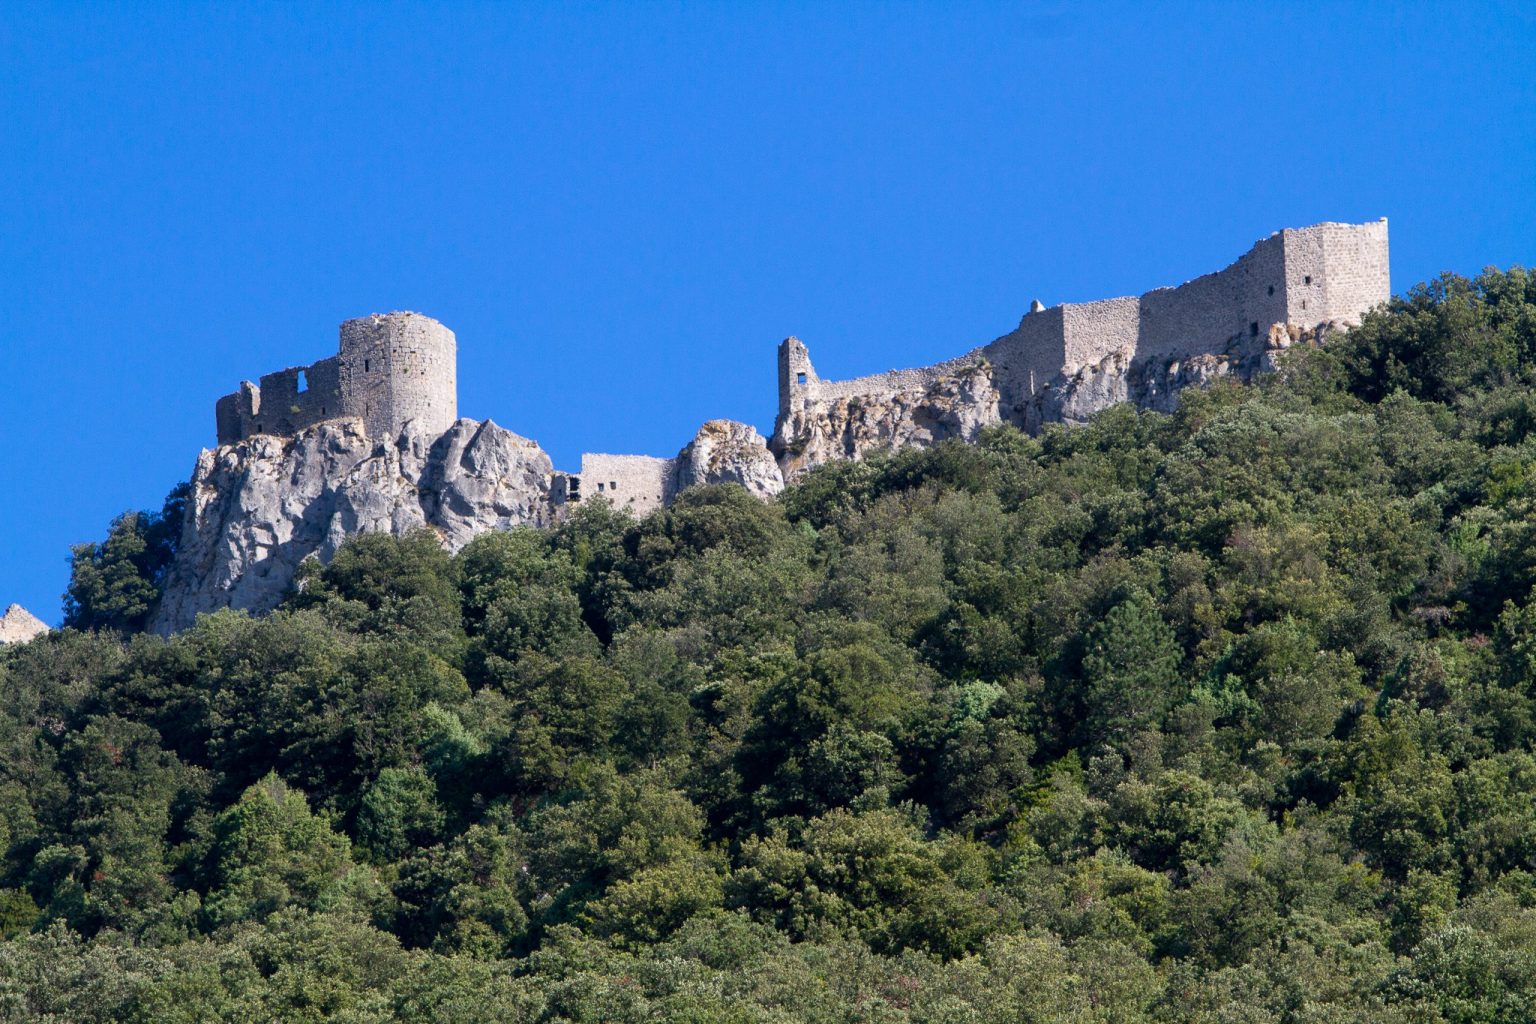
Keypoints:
pixel 1223 713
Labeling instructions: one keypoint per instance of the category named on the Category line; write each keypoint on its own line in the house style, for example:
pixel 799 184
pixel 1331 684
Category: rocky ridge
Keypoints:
pixel 261 506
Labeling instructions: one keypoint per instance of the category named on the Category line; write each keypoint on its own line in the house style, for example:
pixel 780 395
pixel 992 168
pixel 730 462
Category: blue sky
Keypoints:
pixel 621 208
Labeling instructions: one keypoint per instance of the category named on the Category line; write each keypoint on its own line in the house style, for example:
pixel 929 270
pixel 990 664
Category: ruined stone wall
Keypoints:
pixel 1300 276
pixel 283 403
pixel 639 483
pixel 391 369
pixel 800 388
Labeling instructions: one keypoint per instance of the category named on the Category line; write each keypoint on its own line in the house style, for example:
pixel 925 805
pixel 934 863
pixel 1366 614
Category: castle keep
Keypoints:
pixel 392 368
pixel 1306 278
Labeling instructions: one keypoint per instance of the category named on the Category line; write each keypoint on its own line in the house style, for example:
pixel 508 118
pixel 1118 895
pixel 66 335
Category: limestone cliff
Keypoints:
pixel 727 452
pixel 955 405
pixel 18 625
pixel 261 506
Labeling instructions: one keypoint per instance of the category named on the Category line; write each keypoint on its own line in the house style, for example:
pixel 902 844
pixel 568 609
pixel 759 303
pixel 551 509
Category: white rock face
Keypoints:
pixel 957 405
pixel 727 452
pixel 18 625
pixel 259 507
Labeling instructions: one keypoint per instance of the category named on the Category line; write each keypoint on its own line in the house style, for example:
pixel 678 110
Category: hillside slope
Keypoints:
pixel 1220 715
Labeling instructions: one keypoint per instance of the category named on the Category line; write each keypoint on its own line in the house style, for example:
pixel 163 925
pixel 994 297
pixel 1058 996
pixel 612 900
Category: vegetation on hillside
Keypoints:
pixel 1223 716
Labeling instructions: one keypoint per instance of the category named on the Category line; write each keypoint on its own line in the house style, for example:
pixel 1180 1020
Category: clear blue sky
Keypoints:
pixel 622 208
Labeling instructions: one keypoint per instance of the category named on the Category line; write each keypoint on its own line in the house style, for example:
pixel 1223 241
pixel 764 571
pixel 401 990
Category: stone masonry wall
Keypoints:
pixel 391 369
pixel 1348 268
pixel 639 483
pixel 1303 277
pixel 396 368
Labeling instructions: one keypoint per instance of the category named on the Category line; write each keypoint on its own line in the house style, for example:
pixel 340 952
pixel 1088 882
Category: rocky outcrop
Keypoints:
pixel 1155 383
pixel 727 452
pixel 261 506
pixel 956 405
pixel 18 625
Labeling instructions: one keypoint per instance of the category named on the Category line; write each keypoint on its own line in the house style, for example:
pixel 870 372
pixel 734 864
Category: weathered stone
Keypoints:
pixel 18 625
pixel 1064 363
pixel 957 404
pixel 365 441
pixel 724 451
pixel 259 507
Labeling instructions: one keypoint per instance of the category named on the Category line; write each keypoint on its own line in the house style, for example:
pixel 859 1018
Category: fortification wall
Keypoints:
pixel 1028 357
pixel 883 385
pixel 639 483
pixel 391 369
pixel 1303 276
pixel 1335 272
pixel 285 402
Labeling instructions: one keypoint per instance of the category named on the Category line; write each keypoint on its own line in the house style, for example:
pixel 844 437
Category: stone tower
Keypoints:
pixel 398 367
pixel 393 368
pixel 796 375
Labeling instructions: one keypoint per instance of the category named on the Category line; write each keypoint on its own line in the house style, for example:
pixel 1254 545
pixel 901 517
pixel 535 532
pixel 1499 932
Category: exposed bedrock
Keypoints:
pixel 259 507
pixel 957 405
pixel 727 452
pixel 1155 383
pixel 18 625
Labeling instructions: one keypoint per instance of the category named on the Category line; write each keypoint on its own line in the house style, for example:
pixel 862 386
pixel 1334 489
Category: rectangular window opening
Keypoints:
pixel 302 384
pixel 599 487
pixel 1253 329
pixel 613 485
pixel 1309 279
pixel 799 378
pixel 367 365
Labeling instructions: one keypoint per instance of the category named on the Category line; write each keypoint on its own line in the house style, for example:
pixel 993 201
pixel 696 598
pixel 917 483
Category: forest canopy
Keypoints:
pixel 1227 715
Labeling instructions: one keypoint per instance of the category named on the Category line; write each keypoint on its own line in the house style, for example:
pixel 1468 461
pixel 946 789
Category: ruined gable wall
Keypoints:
pixel 1028 357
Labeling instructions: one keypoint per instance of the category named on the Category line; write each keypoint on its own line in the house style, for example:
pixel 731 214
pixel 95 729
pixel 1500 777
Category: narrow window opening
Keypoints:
pixel 1308 279
pixel 1303 303
pixel 302 383
pixel 1253 329
pixel 599 487
pixel 259 429
pixel 1271 289
pixel 613 485
pixel 367 365
pixel 799 378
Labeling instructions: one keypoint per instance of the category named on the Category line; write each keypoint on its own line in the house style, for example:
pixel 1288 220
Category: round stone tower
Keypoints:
pixel 399 367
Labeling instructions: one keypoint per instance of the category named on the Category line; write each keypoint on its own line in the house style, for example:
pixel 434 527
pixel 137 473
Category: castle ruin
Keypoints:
pixel 1309 278
pixel 398 368
pixel 392 368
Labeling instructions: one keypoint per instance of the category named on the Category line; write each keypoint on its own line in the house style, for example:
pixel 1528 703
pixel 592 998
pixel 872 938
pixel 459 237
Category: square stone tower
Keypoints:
pixel 1335 272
